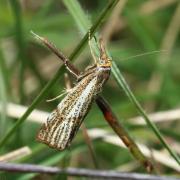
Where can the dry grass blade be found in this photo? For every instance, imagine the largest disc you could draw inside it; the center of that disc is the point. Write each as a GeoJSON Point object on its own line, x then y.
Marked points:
{"type": "Point", "coordinates": [157, 79]}
{"type": "Point", "coordinates": [77, 172]}
{"type": "Point", "coordinates": [151, 6]}
{"type": "Point", "coordinates": [158, 156]}
{"type": "Point", "coordinates": [15, 155]}
{"type": "Point", "coordinates": [111, 24]}
{"type": "Point", "coordinates": [157, 117]}
{"type": "Point", "coordinates": [15, 111]}
{"type": "Point", "coordinates": [38, 116]}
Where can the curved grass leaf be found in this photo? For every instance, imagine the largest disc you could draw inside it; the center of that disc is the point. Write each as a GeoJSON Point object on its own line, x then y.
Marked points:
{"type": "Point", "coordinates": [83, 24]}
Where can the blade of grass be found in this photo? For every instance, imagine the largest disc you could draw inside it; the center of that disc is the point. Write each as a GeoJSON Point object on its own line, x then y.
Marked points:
{"type": "Point", "coordinates": [139, 29]}
{"type": "Point", "coordinates": [78, 14]}
{"type": "Point", "coordinates": [77, 172]}
{"type": "Point", "coordinates": [3, 95]}
{"type": "Point", "coordinates": [48, 162]}
{"type": "Point", "coordinates": [58, 74]}
{"type": "Point", "coordinates": [104, 14]}
{"type": "Point", "coordinates": [18, 28]}
{"type": "Point", "coordinates": [83, 24]}
{"type": "Point", "coordinates": [52, 160]}
{"type": "Point", "coordinates": [21, 44]}
{"type": "Point", "coordinates": [122, 83]}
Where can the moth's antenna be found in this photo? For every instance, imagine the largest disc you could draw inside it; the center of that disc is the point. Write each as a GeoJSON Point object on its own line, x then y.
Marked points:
{"type": "Point", "coordinates": [90, 46]}
{"type": "Point", "coordinates": [103, 54]}
{"type": "Point", "coordinates": [105, 61]}
{"type": "Point", "coordinates": [59, 54]}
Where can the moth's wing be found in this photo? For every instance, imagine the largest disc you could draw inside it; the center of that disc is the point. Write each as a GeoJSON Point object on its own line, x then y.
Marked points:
{"type": "Point", "coordinates": [45, 132]}
{"type": "Point", "coordinates": [65, 120]}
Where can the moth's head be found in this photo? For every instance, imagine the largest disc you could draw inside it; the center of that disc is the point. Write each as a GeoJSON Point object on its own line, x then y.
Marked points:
{"type": "Point", "coordinates": [104, 60]}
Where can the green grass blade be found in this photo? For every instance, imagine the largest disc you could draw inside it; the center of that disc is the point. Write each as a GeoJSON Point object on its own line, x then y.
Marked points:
{"type": "Point", "coordinates": [18, 30]}
{"type": "Point", "coordinates": [122, 83]}
{"type": "Point", "coordinates": [83, 24]}
{"type": "Point", "coordinates": [3, 95]}
{"type": "Point", "coordinates": [49, 85]}
{"type": "Point", "coordinates": [78, 14]}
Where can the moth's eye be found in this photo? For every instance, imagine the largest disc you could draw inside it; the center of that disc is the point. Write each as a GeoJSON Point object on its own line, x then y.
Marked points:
{"type": "Point", "coordinates": [101, 61]}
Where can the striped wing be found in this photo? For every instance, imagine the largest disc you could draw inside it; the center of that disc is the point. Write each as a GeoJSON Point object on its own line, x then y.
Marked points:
{"type": "Point", "coordinates": [65, 120]}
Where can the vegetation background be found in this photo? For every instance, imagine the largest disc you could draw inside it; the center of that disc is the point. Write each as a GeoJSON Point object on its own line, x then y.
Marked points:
{"type": "Point", "coordinates": [143, 40]}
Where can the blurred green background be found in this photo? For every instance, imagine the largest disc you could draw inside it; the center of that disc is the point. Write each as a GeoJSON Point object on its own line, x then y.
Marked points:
{"type": "Point", "coordinates": [142, 38]}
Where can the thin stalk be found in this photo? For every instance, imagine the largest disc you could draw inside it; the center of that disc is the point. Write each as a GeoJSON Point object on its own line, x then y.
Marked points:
{"type": "Point", "coordinates": [83, 23]}
{"type": "Point", "coordinates": [3, 97]}
{"type": "Point", "coordinates": [78, 172]}
{"type": "Point", "coordinates": [122, 83]}
{"type": "Point", "coordinates": [90, 146]}
{"type": "Point", "coordinates": [23, 58]}
{"type": "Point", "coordinates": [16, 10]}
{"type": "Point", "coordinates": [121, 131]}
{"type": "Point", "coordinates": [104, 14]}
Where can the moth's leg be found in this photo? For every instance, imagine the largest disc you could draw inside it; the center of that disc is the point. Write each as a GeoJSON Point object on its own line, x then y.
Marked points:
{"type": "Point", "coordinates": [90, 46]}
{"type": "Point", "coordinates": [64, 92]}
{"type": "Point", "coordinates": [58, 53]}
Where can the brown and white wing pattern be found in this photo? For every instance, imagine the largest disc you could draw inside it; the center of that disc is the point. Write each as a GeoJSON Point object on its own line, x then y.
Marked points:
{"type": "Point", "coordinates": [65, 120]}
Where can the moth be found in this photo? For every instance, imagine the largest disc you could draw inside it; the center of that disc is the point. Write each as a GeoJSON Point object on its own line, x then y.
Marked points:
{"type": "Point", "coordinates": [63, 123]}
